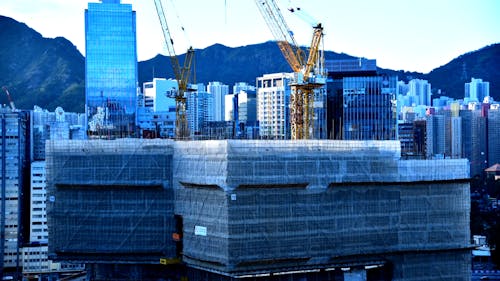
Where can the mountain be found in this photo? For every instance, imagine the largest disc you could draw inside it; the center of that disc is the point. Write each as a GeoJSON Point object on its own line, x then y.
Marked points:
{"type": "Point", "coordinates": [244, 64]}
{"type": "Point", "coordinates": [40, 71]}
{"type": "Point", "coordinates": [51, 72]}
{"type": "Point", "coordinates": [451, 77]}
{"type": "Point", "coordinates": [227, 65]}
{"type": "Point", "coordinates": [483, 63]}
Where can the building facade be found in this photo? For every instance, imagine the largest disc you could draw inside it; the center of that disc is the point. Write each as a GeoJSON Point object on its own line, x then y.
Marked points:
{"type": "Point", "coordinates": [474, 140]}
{"type": "Point", "coordinates": [436, 136]}
{"type": "Point", "coordinates": [494, 135]}
{"type": "Point", "coordinates": [200, 109]}
{"type": "Point", "coordinates": [218, 90]}
{"type": "Point", "coordinates": [273, 98]}
{"type": "Point", "coordinates": [160, 94]}
{"type": "Point", "coordinates": [13, 150]}
{"type": "Point", "coordinates": [419, 92]}
{"type": "Point", "coordinates": [369, 108]}
{"type": "Point", "coordinates": [110, 69]}
{"type": "Point", "coordinates": [476, 90]}
{"type": "Point", "coordinates": [337, 71]}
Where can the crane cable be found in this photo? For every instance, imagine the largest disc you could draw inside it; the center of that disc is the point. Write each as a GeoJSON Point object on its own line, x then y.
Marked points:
{"type": "Point", "coordinates": [181, 24]}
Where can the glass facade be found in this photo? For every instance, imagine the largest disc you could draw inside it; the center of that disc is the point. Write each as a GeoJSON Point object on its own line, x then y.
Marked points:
{"type": "Point", "coordinates": [370, 108]}
{"type": "Point", "coordinates": [111, 69]}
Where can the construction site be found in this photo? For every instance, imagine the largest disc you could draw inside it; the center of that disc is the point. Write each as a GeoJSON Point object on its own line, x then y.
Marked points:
{"type": "Point", "coordinates": [299, 209]}
{"type": "Point", "coordinates": [256, 210]}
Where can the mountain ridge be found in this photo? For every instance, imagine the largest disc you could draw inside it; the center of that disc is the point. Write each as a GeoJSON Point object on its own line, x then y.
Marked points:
{"type": "Point", "coordinates": [50, 72]}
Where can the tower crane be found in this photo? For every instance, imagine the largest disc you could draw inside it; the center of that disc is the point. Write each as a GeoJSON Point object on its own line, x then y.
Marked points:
{"type": "Point", "coordinates": [308, 72]}
{"type": "Point", "coordinates": [182, 75]}
{"type": "Point", "coordinates": [11, 103]}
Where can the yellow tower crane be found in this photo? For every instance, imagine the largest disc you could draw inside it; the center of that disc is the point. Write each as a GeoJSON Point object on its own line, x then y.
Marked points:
{"type": "Point", "coordinates": [181, 75]}
{"type": "Point", "coordinates": [308, 74]}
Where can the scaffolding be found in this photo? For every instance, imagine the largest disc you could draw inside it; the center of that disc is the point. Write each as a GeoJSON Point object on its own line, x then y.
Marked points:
{"type": "Point", "coordinates": [255, 207]}
{"type": "Point", "coordinates": [110, 200]}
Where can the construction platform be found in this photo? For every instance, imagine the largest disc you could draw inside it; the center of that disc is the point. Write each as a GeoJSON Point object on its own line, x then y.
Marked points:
{"type": "Point", "coordinates": [253, 208]}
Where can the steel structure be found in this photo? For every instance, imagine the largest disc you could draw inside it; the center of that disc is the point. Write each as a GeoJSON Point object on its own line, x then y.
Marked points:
{"type": "Point", "coordinates": [308, 71]}
{"type": "Point", "coordinates": [182, 75]}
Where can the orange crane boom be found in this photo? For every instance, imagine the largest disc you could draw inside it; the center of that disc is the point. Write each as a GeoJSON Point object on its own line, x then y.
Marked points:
{"type": "Point", "coordinates": [306, 81]}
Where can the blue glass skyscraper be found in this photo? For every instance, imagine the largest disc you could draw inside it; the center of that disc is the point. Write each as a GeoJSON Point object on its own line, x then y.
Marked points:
{"type": "Point", "coordinates": [370, 108]}
{"type": "Point", "coordinates": [110, 69]}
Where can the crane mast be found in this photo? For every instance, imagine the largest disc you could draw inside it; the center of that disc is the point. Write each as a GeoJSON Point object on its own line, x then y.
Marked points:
{"type": "Point", "coordinates": [305, 79]}
{"type": "Point", "coordinates": [181, 75]}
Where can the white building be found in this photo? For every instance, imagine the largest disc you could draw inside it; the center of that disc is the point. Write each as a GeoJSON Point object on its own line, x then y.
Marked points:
{"type": "Point", "coordinates": [476, 90]}
{"type": "Point", "coordinates": [218, 91]}
{"type": "Point", "coordinates": [35, 255]}
{"type": "Point", "coordinates": [273, 95]}
{"type": "Point", "coordinates": [159, 94]}
{"type": "Point", "coordinates": [156, 117]}
{"type": "Point", "coordinates": [38, 216]}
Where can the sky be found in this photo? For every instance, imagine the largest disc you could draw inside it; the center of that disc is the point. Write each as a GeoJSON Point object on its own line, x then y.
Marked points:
{"type": "Point", "coordinates": [411, 35]}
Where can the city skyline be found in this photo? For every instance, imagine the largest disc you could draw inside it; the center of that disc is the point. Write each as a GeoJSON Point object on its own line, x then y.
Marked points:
{"type": "Point", "coordinates": [399, 34]}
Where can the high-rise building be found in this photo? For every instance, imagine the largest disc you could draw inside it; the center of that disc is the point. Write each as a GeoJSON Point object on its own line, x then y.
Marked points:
{"type": "Point", "coordinates": [456, 137]}
{"type": "Point", "coordinates": [273, 107]}
{"type": "Point", "coordinates": [273, 98]}
{"type": "Point", "coordinates": [369, 108]}
{"type": "Point", "coordinates": [13, 168]}
{"type": "Point", "coordinates": [494, 135]}
{"type": "Point", "coordinates": [241, 108]}
{"type": "Point", "coordinates": [476, 90]}
{"type": "Point", "coordinates": [35, 259]}
{"type": "Point", "coordinates": [247, 106]}
{"type": "Point", "coordinates": [200, 109]}
{"type": "Point", "coordinates": [419, 92]}
{"type": "Point", "coordinates": [337, 71]}
{"type": "Point", "coordinates": [219, 91]}
{"type": "Point", "coordinates": [474, 141]}
{"type": "Point", "coordinates": [436, 136]}
{"type": "Point", "coordinates": [110, 69]}
{"type": "Point", "coordinates": [230, 107]}
{"type": "Point", "coordinates": [420, 137]}
{"type": "Point", "coordinates": [45, 125]}
{"type": "Point", "coordinates": [241, 104]}
{"type": "Point", "coordinates": [406, 138]}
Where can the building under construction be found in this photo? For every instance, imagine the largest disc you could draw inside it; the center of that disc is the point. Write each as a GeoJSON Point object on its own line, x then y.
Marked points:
{"type": "Point", "coordinates": [257, 210]}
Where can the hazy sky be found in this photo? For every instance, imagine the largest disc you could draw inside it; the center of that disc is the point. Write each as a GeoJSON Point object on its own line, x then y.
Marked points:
{"type": "Point", "coordinates": [414, 35]}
